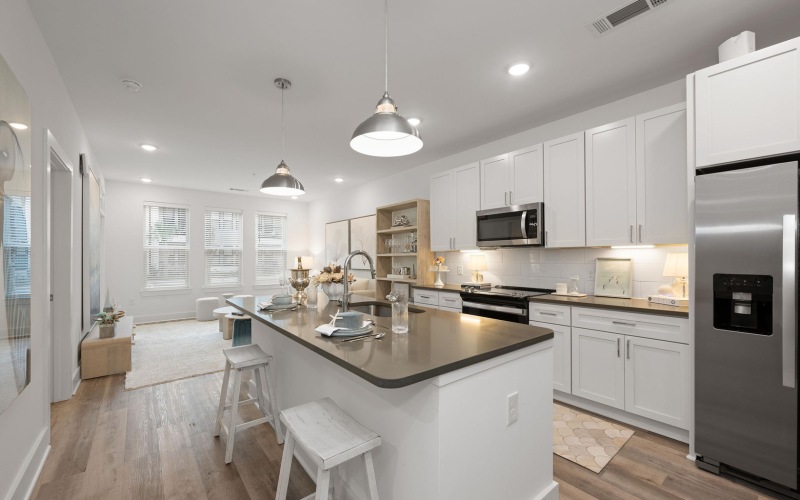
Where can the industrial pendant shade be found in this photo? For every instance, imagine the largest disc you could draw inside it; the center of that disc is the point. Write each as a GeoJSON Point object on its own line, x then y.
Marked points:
{"type": "Point", "coordinates": [282, 183]}
{"type": "Point", "coordinates": [386, 133]}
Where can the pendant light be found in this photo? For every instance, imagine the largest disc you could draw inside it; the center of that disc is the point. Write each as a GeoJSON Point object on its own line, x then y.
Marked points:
{"type": "Point", "coordinates": [282, 183]}
{"type": "Point", "coordinates": [386, 133]}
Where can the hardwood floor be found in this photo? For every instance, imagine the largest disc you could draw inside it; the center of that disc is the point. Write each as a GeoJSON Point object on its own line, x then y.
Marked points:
{"type": "Point", "coordinates": [156, 442]}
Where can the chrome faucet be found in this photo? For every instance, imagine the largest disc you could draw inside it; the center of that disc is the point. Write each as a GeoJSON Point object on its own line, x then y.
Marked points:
{"type": "Point", "coordinates": [346, 295]}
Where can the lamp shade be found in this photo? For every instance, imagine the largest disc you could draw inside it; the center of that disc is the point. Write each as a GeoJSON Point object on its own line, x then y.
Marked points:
{"type": "Point", "coordinates": [677, 265]}
{"type": "Point", "coordinates": [477, 262]}
{"type": "Point", "coordinates": [386, 133]}
{"type": "Point", "coordinates": [282, 183]}
{"type": "Point", "coordinates": [308, 261]}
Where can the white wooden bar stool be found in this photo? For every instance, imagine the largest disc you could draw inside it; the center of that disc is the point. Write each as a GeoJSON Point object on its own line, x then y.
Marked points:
{"type": "Point", "coordinates": [330, 437]}
{"type": "Point", "coordinates": [239, 359]}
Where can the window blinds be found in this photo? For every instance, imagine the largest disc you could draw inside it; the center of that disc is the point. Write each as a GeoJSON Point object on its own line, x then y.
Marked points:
{"type": "Point", "coordinates": [270, 248]}
{"type": "Point", "coordinates": [166, 246]}
{"type": "Point", "coordinates": [17, 245]}
{"type": "Point", "coordinates": [223, 236]}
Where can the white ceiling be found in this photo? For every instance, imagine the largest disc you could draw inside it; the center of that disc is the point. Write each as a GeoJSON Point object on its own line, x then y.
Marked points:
{"type": "Point", "coordinates": [209, 104]}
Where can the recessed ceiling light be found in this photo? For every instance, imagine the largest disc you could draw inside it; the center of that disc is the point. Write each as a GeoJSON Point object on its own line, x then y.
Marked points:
{"type": "Point", "coordinates": [339, 179]}
{"type": "Point", "coordinates": [518, 69]}
{"type": "Point", "coordinates": [294, 197]}
{"type": "Point", "coordinates": [19, 126]}
{"type": "Point", "coordinates": [414, 121]}
{"type": "Point", "coordinates": [148, 147]}
{"type": "Point", "coordinates": [145, 179]}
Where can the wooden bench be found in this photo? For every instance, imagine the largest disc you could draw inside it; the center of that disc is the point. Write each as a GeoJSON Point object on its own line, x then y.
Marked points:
{"type": "Point", "coordinates": [101, 357]}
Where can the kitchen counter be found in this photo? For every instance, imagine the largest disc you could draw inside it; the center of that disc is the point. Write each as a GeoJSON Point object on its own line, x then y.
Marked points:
{"type": "Point", "coordinates": [438, 396]}
{"type": "Point", "coordinates": [446, 288]}
{"type": "Point", "coordinates": [628, 305]}
{"type": "Point", "coordinates": [438, 342]}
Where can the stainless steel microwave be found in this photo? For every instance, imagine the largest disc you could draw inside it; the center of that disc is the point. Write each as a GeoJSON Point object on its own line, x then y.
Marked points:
{"type": "Point", "coordinates": [518, 225]}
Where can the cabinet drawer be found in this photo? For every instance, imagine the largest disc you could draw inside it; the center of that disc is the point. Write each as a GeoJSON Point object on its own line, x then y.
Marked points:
{"type": "Point", "coordinates": [426, 298]}
{"type": "Point", "coordinates": [548, 313]}
{"type": "Point", "coordinates": [450, 300]}
{"type": "Point", "coordinates": [638, 325]}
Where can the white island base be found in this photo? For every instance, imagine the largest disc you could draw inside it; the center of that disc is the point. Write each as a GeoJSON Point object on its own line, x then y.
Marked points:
{"type": "Point", "coordinates": [445, 438]}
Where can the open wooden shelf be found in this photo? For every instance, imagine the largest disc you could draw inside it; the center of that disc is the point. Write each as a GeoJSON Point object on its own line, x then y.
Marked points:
{"type": "Point", "coordinates": [397, 229]}
{"type": "Point", "coordinates": [418, 213]}
{"type": "Point", "coordinates": [405, 254]}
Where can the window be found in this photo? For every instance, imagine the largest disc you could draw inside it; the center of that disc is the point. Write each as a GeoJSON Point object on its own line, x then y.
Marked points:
{"type": "Point", "coordinates": [166, 246]}
{"type": "Point", "coordinates": [223, 247]}
{"type": "Point", "coordinates": [270, 247]}
{"type": "Point", "coordinates": [17, 246]}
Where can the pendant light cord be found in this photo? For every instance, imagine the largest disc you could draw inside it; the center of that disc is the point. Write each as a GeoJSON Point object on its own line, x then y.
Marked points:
{"type": "Point", "coordinates": [283, 133]}
{"type": "Point", "coordinates": [386, 44]}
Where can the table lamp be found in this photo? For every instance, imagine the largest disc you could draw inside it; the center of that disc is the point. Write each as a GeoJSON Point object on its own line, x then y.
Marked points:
{"type": "Point", "coordinates": [677, 266]}
{"type": "Point", "coordinates": [477, 262]}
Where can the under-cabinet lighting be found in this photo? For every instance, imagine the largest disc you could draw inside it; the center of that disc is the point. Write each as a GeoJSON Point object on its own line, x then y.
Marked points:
{"type": "Point", "coordinates": [628, 247]}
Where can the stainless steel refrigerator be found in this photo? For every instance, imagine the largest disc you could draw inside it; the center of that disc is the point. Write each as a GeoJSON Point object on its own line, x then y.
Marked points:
{"type": "Point", "coordinates": [746, 411]}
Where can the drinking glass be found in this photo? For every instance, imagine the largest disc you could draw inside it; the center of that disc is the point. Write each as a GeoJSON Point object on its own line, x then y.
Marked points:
{"type": "Point", "coordinates": [283, 280]}
{"type": "Point", "coordinates": [311, 296]}
{"type": "Point", "coordinates": [400, 313]}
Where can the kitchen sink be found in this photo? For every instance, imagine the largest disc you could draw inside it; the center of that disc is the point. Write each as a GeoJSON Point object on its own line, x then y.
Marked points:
{"type": "Point", "coordinates": [379, 309]}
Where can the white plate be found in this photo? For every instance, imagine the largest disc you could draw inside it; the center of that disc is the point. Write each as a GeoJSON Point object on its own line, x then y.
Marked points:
{"type": "Point", "coordinates": [278, 307]}
{"type": "Point", "coordinates": [344, 332]}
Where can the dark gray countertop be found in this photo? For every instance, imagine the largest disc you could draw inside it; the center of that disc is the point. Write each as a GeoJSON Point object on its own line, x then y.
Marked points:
{"type": "Point", "coordinates": [627, 305]}
{"type": "Point", "coordinates": [438, 342]}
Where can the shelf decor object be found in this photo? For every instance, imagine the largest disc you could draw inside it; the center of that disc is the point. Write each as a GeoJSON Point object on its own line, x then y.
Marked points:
{"type": "Point", "coordinates": [299, 276]}
{"type": "Point", "coordinates": [282, 183]}
{"type": "Point", "coordinates": [477, 262]}
{"type": "Point", "coordinates": [613, 278]}
{"type": "Point", "coordinates": [386, 133]}
{"type": "Point", "coordinates": [677, 266]}
{"type": "Point", "coordinates": [396, 267]}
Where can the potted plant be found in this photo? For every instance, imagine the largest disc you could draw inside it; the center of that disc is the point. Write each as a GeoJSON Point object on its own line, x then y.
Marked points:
{"type": "Point", "coordinates": [331, 280]}
{"type": "Point", "coordinates": [108, 321]}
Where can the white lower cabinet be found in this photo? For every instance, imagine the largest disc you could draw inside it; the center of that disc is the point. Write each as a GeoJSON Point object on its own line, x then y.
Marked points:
{"type": "Point", "coordinates": [446, 301]}
{"type": "Point", "coordinates": [598, 367]}
{"type": "Point", "coordinates": [562, 356]}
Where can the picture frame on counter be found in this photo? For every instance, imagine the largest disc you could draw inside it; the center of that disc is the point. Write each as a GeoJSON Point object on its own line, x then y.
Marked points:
{"type": "Point", "coordinates": [613, 278]}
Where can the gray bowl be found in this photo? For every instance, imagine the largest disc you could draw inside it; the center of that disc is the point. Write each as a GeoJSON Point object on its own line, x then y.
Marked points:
{"type": "Point", "coordinates": [282, 299]}
{"type": "Point", "coordinates": [350, 319]}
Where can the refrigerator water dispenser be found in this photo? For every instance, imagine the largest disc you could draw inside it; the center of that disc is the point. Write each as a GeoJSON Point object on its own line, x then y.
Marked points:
{"type": "Point", "coordinates": [743, 303]}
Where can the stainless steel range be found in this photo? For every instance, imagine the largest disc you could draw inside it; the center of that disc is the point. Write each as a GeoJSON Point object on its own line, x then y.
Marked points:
{"type": "Point", "coordinates": [508, 303]}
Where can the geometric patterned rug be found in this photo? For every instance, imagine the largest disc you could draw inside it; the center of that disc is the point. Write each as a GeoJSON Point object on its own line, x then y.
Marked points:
{"type": "Point", "coordinates": [586, 440]}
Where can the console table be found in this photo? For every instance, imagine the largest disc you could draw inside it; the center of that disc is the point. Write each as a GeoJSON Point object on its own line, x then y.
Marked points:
{"type": "Point", "coordinates": [101, 357]}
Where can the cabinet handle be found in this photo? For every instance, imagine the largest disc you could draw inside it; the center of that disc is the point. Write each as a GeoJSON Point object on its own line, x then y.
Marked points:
{"type": "Point", "coordinates": [511, 197]}
{"type": "Point", "coordinates": [546, 237]}
{"type": "Point", "coordinates": [454, 243]}
{"type": "Point", "coordinates": [618, 355]}
{"type": "Point", "coordinates": [448, 300]}
{"type": "Point", "coordinates": [631, 233]}
{"type": "Point", "coordinates": [547, 313]}
{"type": "Point", "coordinates": [425, 297]}
{"type": "Point", "coordinates": [628, 349]}
{"type": "Point", "coordinates": [505, 198]}
{"type": "Point", "coordinates": [640, 233]}
{"type": "Point", "coordinates": [622, 323]}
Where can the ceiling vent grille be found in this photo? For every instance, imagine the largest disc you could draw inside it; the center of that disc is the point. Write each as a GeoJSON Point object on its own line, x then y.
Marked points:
{"type": "Point", "coordinates": [623, 14]}
{"type": "Point", "coordinates": [238, 189]}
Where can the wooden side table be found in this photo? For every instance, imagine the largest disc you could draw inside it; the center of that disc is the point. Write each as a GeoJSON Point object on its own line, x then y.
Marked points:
{"type": "Point", "coordinates": [100, 357]}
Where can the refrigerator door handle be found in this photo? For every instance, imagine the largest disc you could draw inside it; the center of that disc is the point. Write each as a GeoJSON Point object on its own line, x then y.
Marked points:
{"type": "Point", "coordinates": [788, 305]}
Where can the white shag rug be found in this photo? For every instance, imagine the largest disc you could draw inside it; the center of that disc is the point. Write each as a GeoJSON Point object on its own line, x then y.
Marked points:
{"type": "Point", "coordinates": [163, 352]}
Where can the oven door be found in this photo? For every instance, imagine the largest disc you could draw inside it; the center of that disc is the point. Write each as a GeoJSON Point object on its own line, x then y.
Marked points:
{"type": "Point", "coordinates": [506, 313]}
{"type": "Point", "coordinates": [520, 225]}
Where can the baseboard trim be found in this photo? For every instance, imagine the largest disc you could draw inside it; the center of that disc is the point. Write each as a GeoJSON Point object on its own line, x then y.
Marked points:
{"type": "Point", "coordinates": [549, 493]}
{"type": "Point", "coordinates": [34, 463]}
{"type": "Point", "coordinates": [160, 318]}
{"type": "Point", "coordinates": [76, 380]}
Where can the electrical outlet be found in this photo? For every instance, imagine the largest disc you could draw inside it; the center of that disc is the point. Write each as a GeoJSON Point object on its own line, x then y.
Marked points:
{"type": "Point", "coordinates": [459, 269]}
{"type": "Point", "coordinates": [513, 407]}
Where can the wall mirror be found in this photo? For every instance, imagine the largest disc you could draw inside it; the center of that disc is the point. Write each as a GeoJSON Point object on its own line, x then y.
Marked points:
{"type": "Point", "coordinates": [15, 237]}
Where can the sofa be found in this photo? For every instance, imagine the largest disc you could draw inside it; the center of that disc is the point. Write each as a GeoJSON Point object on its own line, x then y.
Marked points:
{"type": "Point", "coordinates": [363, 287]}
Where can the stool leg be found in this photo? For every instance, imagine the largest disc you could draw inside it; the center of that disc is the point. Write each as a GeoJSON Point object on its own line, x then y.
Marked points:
{"type": "Point", "coordinates": [338, 488]}
{"type": "Point", "coordinates": [286, 467]}
{"type": "Point", "coordinates": [373, 485]}
{"type": "Point", "coordinates": [323, 483]}
{"type": "Point", "coordinates": [237, 388]}
{"type": "Point", "coordinates": [223, 394]}
{"type": "Point", "coordinates": [273, 401]}
{"type": "Point", "coordinates": [260, 389]}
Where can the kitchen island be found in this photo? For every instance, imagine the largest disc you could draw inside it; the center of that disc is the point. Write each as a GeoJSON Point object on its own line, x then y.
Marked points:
{"type": "Point", "coordinates": [439, 397]}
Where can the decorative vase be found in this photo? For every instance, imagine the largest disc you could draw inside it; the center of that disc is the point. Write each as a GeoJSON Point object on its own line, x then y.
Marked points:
{"type": "Point", "coordinates": [334, 291]}
{"type": "Point", "coordinates": [107, 331]}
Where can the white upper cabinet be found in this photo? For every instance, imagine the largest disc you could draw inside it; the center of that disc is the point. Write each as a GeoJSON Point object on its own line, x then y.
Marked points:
{"type": "Point", "coordinates": [512, 179]}
{"type": "Point", "coordinates": [749, 107]}
{"type": "Point", "coordinates": [564, 192]}
{"type": "Point", "coordinates": [662, 211]}
{"type": "Point", "coordinates": [455, 197]}
{"type": "Point", "coordinates": [611, 184]}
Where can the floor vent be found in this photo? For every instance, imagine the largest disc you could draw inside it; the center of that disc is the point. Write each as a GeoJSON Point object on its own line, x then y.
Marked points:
{"type": "Point", "coordinates": [623, 14]}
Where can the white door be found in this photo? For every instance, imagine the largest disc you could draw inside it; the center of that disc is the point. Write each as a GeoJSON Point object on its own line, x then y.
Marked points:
{"type": "Point", "coordinates": [442, 213]}
{"type": "Point", "coordinates": [466, 194]}
{"type": "Point", "coordinates": [564, 192]}
{"type": "Point", "coordinates": [611, 184]}
{"type": "Point", "coordinates": [562, 356]}
{"type": "Point", "coordinates": [657, 380]}
{"type": "Point", "coordinates": [749, 107]}
{"type": "Point", "coordinates": [494, 182]}
{"type": "Point", "coordinates": [598, 368]}
{"type": "Point", "coordinates": [662, 210]}
{"type": "Point", "coordinates": [526, 169]}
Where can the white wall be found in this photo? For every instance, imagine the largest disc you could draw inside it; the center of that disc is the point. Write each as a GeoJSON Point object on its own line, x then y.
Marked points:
{"type": "Point", "coordinates": [415, 183]}
{"type": "Point", "coordinates": [124, 239]}
{"type": "Point", "coordinates": [24, 426]}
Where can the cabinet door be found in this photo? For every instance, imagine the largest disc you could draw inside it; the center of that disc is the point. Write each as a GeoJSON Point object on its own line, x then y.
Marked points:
{"type": "Point", "coordinates": [662, 210]}
{"type": "Point", "coordinates": [611, 184]}
{"type": "Point", "coordinates": [562, 356]}
{"type": "Point", "coordinates": [749, 107]}
{"type": "Point", "coordinates": [564, 192]}
{"type": "Point", "coordinates": [467, 189]}
{"type": "Point", "coordinates": [442, 211]}
{"type": "Point", "coordinates": [598, 368]}
{"type": "Point", "coordinates": [494, 182]}
{"type": "Point", "coordinates": [526, 169]}
{"type": "Point", "coordinates": [657, 380]}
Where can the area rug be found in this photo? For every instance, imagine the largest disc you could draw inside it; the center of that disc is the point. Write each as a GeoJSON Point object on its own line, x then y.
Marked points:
{"type": "Point", "coordinates": [586, 440]}
{"type": "Point", "coordinates": [163, 352]}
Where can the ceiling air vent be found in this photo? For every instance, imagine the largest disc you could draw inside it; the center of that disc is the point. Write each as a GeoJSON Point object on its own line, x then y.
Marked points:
{"type": "Point", "coordinates": [623, 14]}
{"type": "Point", "coordinates": [238, 189]}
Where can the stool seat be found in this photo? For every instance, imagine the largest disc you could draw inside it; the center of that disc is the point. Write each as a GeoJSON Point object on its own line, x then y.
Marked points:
{"type": "Point", "coordinates": [330, 435]}
{"type": "Point", "coordinates": [220, 312]}
{"type": "Point", "coordinates": [246, 356]}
